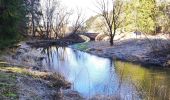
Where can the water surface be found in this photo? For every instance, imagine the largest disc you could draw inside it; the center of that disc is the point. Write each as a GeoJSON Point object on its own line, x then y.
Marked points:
{"type": "Point", "coordinates": [92, 75]}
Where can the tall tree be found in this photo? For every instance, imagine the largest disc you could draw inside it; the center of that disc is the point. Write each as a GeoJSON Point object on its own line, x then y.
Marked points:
{"type": "Point", "coordinates": [77, 25]}
{"type": "Point", "coordinates": [35, 13]}
{"type": "Point", "coordinates": [61, 22]}
{"type": "Point", "coordinates": [49, 10]}
{"type": "Point", "coordinates": [111, 16]}
{"type": "Point", "coordinates": [11, 14]}
{"type": "Point", "coordinates": [164, 19]}
{"type": "Point", "coordinates": [142, 15]}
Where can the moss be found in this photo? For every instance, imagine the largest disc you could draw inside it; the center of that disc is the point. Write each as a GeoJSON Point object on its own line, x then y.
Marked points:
{"type": "Point", "coordinates": [11, 94]}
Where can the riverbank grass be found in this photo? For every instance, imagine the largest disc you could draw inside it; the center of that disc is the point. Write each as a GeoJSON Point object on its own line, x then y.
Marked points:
{"type": "Point", "coordinates": [81, 46]}
{"type": "Point", "coordinates": [10, 73]}
{"type": "Point", "coordinates": [8, 88]}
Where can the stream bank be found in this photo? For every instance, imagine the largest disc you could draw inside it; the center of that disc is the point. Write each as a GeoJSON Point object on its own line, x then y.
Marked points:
{"type": "Point", "coordinates": [31, 79]}
{"type": "Point", "coordinates": [143, 51]}
{"type": "Point", "coordinates": [66, 41]}
{"type": "Point", "coordinates": [35, 80]}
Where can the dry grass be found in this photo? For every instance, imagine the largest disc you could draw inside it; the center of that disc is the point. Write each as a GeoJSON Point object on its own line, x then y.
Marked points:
{"type": "Point", "coordinates": [9, 74]}
{"type": "Point", "coordinates": [7, 86]}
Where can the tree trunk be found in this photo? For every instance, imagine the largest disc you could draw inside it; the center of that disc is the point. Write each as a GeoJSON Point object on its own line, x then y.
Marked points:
{"type": "Point", "coordinates": [111, 39]}
{"type": "Point", "coordinates": [47, 35]}
{"type": "Point", "coordinates": [32, 20]}
{"type": "Point", "coordinates": [33, 27]}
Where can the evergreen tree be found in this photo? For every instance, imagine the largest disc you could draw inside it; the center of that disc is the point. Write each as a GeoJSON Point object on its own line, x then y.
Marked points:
{"type": "Point", "coordinates": [141, 15]}
{"type": "Point", "coordinates": [12, 13]}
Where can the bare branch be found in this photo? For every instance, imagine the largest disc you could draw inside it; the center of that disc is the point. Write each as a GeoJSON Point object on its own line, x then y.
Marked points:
{"type": "Point", "coordinates": [111, 16]}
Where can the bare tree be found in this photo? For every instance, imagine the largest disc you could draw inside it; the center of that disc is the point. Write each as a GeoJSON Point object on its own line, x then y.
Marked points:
{"type": "Point", "coordinates": [49, 10]}
{"type": "Point", "coordinates": [111, 15]}
{"type": "Point", "coordinates": [55, 19]}
{"type": "Point", "coordinates": [34, 14]}
{"type": "Point", "coordinates": [61, 22]}
{"type": "Point", "coordinates": [78, 22]}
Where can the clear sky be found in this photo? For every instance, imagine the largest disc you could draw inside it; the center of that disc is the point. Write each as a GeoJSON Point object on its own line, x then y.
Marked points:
{"type": "Point", "coordinates": [88, 6]}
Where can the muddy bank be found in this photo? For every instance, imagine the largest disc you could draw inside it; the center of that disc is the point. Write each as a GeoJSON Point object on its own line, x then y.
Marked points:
{"type": "Point", "coordinates": [147, 52]}
{"type": "Point", "coordinates": [68, 40]}
{"type": "Point", "coordinates": [35, 81]}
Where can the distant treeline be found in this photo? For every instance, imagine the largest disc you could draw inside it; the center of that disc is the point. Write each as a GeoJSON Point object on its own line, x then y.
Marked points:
{"type": "Point", "coordinates": [147, 16]}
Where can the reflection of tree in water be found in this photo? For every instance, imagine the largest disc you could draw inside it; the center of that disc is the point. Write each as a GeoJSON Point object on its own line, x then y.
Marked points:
{"type": "Point", "coordinates": [55, 56]}
{"type": "Point", "coordinates": [72, 63]}
{"type": "Point", "coordinates": [151, 84]}
{"type": "Point", "coordinates": [80, 56]}
{"type": "Point", "coordinates": [141, 82]}
{"type": "Point", "coordinates": [107, 87]}
{"type": "Point", "coordinates": [62, 54]}
{"type": "Point", "coordinates": [49, 52]}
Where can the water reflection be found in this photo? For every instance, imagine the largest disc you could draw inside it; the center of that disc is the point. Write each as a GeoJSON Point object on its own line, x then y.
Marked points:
{"type": "Point", "coordinates": [89, 74]}
{"type": "Point", "coordinates": [150, 83]}
{"type": "Point", "coordinates": [92, 75]}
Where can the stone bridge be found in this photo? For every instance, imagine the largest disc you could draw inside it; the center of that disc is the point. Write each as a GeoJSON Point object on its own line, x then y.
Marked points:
{"type": "Point", "coordinates": [92, 36]}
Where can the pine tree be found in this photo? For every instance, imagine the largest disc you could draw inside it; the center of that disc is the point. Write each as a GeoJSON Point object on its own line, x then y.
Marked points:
{"type": "Point", "coordinates": [11, 15]}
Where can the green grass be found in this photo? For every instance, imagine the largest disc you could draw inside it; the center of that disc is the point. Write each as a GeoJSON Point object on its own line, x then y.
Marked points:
{"type": "Point", "coordinates": [7, 85]}
{"type": "Point", "coordinates": [4, 85]}
{"type": "Point", "coordinates": [10, 94]}
{"type": "Point", "coordinates": [8, 77]}
{"type": "Point", "coordinates": [9, 74]}
{"type": "Point", "coordinates": [82, 46]}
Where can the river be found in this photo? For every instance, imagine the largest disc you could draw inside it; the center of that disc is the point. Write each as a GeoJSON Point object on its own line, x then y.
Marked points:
{"type": "Point", "coordinates": [91, 75]}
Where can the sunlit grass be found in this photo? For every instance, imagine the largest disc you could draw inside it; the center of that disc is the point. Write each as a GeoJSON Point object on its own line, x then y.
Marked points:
{"type": "Point", "coordinates": [23, 71]}
{"type": "Point", "coordinates": [56, 79]}
{"type": "Point", "coordinates": [1, 62]}
{"type": "Point", "coordinates": [10, 94]}
{"type": "Point", "coordinates": [82, 46]}
{"type": "Point", "coordinates": [9, 75]}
